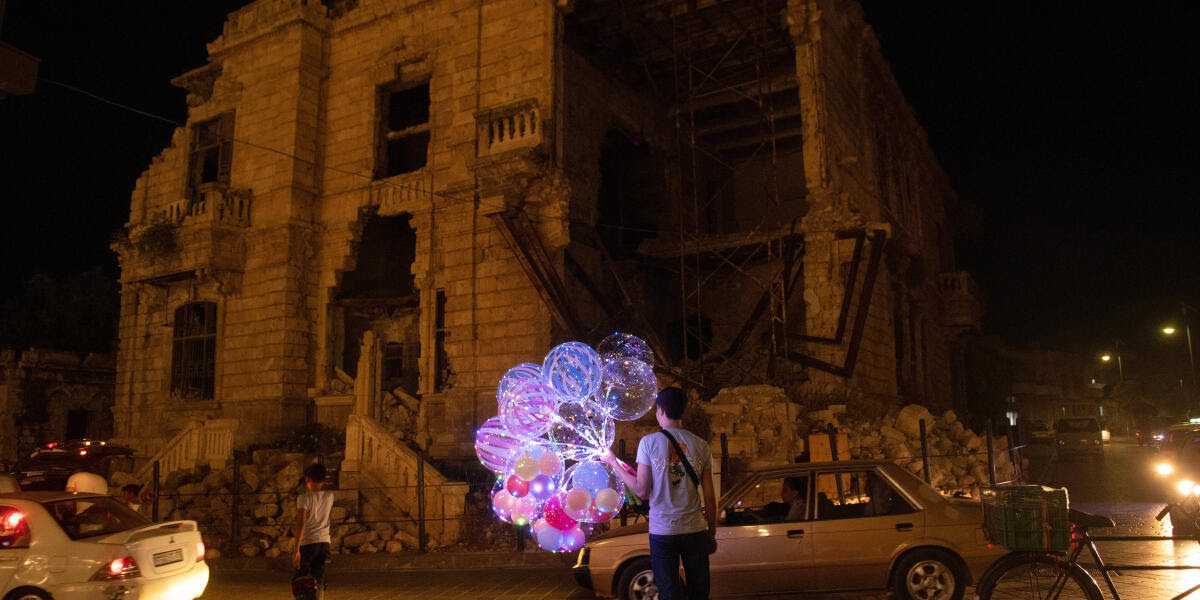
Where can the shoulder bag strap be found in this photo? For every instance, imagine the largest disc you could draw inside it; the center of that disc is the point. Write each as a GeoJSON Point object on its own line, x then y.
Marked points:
{"type": "Point", "coordinates": [687, 466]}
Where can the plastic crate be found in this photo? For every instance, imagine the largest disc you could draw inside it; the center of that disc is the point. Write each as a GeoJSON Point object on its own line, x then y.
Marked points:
{"type": "Point", "coordinates": [1027, 517]}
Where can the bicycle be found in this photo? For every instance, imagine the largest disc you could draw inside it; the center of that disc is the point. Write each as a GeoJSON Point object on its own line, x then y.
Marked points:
{"type": "Point", "coordinates": [1050, 575]}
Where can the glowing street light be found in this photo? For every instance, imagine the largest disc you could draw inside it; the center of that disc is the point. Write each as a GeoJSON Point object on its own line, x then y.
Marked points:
{"type": "Point", "coordinates": [1105, 358]}
{"type": "Point", "coordinates": [1168, 330]}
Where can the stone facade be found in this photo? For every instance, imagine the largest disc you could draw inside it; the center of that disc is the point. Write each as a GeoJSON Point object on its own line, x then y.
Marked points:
{"type": "Point", "coordinates": [48, 396]}
{"type": "Point", "coordinates": [380, 206]}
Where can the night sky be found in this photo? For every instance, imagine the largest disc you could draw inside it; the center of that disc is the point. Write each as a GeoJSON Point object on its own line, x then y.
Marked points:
{"type": "Point", "coordinates": [1072, 129]}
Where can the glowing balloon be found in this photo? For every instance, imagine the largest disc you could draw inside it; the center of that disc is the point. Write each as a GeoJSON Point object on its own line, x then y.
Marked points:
{"type": "Point", "coordinates": [592, 476]}
{"type": "Point", "coordinates": [576, 503]}
{"type": "Point", "coordinates": [628, 389]}
{"type": "Point", "coordinates": [529, 410]}
{"type": "Point", "coordinates": [515, 376]}
{"type": "Point", "coordinates": [494, 445]}
{"type": "Point", "coordinates": [573, 370]}
{"type": "Point", "coordinates": [579, 428]}
{"type": "Point", "coordinates": [550, 464]}
{"type": "Point", "coordinates": [554, 515]}
{"type": "Point", "coordinates": [516, 486]}
{"type": "Point", "coordinates": [608, 501]}
{"type": "Point", "coordinates": [526, 466]}
{"type": "Point", "coordinates": [502, 504]}
{"type": "Point", "coordinates": [524, 510]}
{"type": "Point", "coordinates": [549, 538]}
{"type": "Point", "coordinates": [572, 540]}
{"type": "Point", "coordinates": [542, 487]}
{"type": "Point", "coordinates": [624, 345]}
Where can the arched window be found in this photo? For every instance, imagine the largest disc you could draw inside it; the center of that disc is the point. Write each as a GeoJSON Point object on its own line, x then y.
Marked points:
{"type": "Point", "coordinates": [193, 351]}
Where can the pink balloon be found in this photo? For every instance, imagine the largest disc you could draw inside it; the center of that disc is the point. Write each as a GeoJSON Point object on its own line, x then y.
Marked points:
{"type": "Point", "coordinates": [528, 414]}
{"type": "Point", "coordinates": [494, 445]}
{"type": "Point", "coordinates": [555, 515]}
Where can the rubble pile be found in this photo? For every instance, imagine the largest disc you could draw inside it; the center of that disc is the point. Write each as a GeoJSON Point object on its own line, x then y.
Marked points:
{"type": "Point", "coordinates": [266, 502]}
{"type": "Point", "coordinates": [764, 427]}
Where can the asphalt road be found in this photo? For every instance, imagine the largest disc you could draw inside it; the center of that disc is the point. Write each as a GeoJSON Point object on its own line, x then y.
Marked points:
{"type": "Point", "coordinates": [1122, 485]}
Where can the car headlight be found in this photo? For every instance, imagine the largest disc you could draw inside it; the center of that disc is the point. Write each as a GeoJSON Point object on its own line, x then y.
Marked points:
{"type": "Point", "coordinates": [1061, 442]}
{"type": "Point", "coordinates": [1185, 486]}
{"type": "Point", "coordinates": [1096, 442]}
{"type": "Point", "coordinates": [1164, 469]}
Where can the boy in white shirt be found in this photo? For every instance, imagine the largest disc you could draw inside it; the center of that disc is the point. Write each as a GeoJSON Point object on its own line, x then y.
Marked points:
{"type": "Point", "coordinates": [311, 548]}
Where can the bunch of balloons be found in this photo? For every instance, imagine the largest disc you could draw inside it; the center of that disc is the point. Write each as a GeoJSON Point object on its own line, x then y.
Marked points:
{"type": "Point", "coordinates": [554, 421]}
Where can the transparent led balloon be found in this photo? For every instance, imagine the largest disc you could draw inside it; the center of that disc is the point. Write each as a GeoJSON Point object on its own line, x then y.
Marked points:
{"type": "Point", "coordinates": [573, 370]}
{"type": "Point", "coordinates": [530, 409]}
{"type": "Point", "coordinates": [515, 376]}
{"type": "Point", "coordinates": [581, 430]}
{"type": "Point", "coordinates": [628, 388]}
{"type": "Point", "coordinates": [591, 492]}
{"type": "Point", "coordinates": [494, 445]}
{"type": "Point", "coordinates": [624, 345]}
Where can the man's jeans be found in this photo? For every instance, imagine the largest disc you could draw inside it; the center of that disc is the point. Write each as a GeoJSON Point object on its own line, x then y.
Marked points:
{"type": "Point", "coordinates": [665, 554]}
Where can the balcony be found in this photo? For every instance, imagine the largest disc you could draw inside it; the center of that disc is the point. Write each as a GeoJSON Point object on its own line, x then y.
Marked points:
{"type": "Point", "coordinates": [508, 127]}
{"type": "Point", "coordinates": [963, 300]}
{"type": "Point", "coordinates": [186, 239]}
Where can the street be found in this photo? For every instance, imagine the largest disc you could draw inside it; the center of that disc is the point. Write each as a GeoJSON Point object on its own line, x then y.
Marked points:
{"type": "Point", "coordinates": [1123, 486]}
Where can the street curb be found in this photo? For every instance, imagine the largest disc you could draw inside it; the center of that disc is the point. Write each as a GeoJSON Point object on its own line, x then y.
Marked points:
{"type": "Point", "coordinates": [405, 561]}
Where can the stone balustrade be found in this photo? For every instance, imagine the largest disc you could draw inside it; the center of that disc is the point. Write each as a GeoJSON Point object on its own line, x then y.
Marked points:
{"type": "Point", "coordinates": [509, 127]}
{"type": "Point", "coordinates": [391, 467]}
{"type": "Point", "coordinates": [213, 204]}
{"type": "Point", "coordinates": [200, 442]}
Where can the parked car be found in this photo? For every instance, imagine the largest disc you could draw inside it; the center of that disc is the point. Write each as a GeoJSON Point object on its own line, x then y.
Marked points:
{"type": "Point", "coordinates": [867, 525]}
{"type": "Point", "coordinates": [1178, 468]}
{"type": "Point", "coordinates": [48, 467]}
{"type": "Point", "coordinates": [1078, 435]}
{"type": "Point", "coordinates": [88, 546]}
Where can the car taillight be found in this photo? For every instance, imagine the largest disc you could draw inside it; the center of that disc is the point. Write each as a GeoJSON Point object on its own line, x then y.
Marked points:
{"type": "Point", "coordinates": [118, 568]}
{"type": "Point", "coordinates": [13, 519]}
{"type": "Point", "coordinates": [199, 551]}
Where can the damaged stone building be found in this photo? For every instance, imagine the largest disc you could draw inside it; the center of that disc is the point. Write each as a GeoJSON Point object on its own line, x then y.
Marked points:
{"type": "Point", "coordinates": [379, 206]}
{"type": "Point", "coordinates": [51, 395]}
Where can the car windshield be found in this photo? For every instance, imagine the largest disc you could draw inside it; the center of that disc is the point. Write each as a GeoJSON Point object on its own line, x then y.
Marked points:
{"type": "Point", "coordinates": [1077, 426]}
{"type": "Point", "coordinates": [91, 516]}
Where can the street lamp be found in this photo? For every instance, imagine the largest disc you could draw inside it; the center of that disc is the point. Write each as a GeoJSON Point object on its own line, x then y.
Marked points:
{"type": "Point", "coordinates": [1109, 357]}
{"type": "Point", "coordinates": [1185, 308]}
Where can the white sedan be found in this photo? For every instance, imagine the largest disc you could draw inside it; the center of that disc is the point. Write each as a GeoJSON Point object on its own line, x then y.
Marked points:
{"type": "Point", "coordinates": [68, 546]}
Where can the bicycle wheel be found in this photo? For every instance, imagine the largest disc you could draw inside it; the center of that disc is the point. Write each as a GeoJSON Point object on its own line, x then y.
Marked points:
{"type": "Point", "coordinates": [1036, 576]}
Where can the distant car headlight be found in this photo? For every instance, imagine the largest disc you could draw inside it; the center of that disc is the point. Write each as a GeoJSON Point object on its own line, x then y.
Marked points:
{"type": "Point", "coordinates": [1185, 486]}
{"type": "Point", "coordinates": [1158, 437]}
{"type": "Point", "coordinates": [1164, 469]}
{"type": "Point", "coordinates": [1096, 442]}
{"type": "Point", "coordinates": [1105, 435]}
{"type": "Point", "coordinates": [1061, 442]}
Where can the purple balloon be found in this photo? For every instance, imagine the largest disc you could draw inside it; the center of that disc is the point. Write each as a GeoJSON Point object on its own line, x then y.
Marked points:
{"type": "Point", "coordinates": [542, 487]}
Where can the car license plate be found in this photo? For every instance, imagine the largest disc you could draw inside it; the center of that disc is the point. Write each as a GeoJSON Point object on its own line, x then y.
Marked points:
{"type": "Point", "coordinates": [168, 557]}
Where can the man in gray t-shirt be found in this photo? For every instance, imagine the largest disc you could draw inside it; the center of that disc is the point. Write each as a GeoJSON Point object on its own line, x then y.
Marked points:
{"type": "Point", "coordinates": [680, 528]}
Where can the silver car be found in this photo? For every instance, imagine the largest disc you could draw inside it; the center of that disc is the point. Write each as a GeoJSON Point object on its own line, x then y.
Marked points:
{"type": "Point", "coordinates": [864, 526]}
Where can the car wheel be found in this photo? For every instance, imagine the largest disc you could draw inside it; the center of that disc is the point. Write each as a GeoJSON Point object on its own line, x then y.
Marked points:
{"type": "Point", "coordinates": [928, 574]}
{"type": "Point", "coordinates": [637, 581]}
{"type": "Point", "coordinates": [27, 594]}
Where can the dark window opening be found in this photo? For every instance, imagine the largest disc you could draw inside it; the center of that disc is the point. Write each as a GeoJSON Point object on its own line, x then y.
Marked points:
{"type": "Point", "coordinates": [442, 362]}
{"type": "Point", "coordinates": [211, 157]}
{"type": "Point", "coordinates": [403, 130]}
{"type": "Point", "coordinates": [77, 424]}
{"type": "Point", "coordinates": [689, 339]}
{"type": "Point", "coordinates": [632, 184]}
{"type": "Point", "coordinates": [384, 260]}
{"type": "Point", "coordinates": [193, 351]}
{"type": "Point", "coordinates": [336, 8]}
